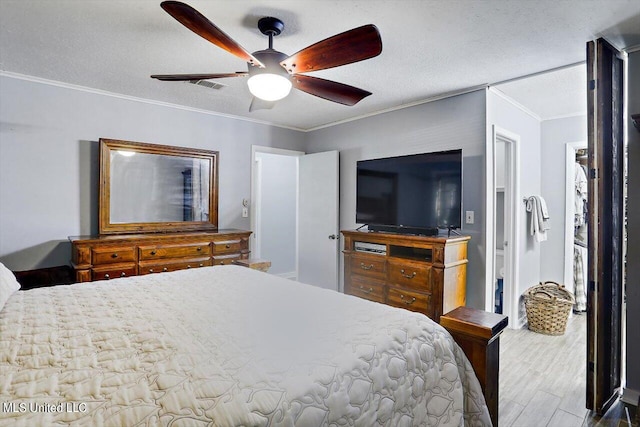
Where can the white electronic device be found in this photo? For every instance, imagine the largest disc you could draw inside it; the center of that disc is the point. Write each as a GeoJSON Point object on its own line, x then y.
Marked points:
{"type": "Point", "coordinates": [374, 248]}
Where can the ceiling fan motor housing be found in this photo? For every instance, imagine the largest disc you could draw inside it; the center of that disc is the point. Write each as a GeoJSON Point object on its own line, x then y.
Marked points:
{"type": "Point", "coordinates": [270, 26]}
{"type": "Point", "coordinates": [271, 59]}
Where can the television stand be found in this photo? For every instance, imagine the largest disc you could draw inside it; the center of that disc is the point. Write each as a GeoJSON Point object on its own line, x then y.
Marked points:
{"type": "Point", "coordinates": [420, 273]}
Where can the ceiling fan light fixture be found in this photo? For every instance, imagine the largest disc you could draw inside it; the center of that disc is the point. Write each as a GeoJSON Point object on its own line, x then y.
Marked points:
{"type": "Point", "coordinates": [269, 87]}
{"type": "Point", "coordinates": [271, 73]}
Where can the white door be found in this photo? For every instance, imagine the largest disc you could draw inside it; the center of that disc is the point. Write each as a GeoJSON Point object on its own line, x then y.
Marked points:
{"type": "Point", "coordinates": [318, 233]}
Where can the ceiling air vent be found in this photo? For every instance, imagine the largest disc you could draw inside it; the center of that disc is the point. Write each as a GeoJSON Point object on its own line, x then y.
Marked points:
{"type": "Point", "coordinates": [206, 83]}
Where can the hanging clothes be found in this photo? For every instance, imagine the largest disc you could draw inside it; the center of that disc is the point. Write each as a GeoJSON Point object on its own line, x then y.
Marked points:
{"type": "Point", "coordinates": [580, 254]}
{"type": "Point", "coordinates": [580, 196]}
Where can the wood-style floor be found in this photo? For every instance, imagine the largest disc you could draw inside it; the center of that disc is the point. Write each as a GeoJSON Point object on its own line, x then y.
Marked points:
{"type": "Point", "coordinates": [543, 380]}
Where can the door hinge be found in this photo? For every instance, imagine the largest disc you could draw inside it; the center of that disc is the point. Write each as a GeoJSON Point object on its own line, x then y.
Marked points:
{"type": "Point", "coordinates": [592, 286]}
{"type": "Point", "coordinates": [591, 84]}
{"type": "Point", "coordinates": [592, 173]}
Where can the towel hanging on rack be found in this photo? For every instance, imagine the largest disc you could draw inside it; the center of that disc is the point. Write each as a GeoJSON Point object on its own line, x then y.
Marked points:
{"type": "Point", "coordinates": [539, 217]}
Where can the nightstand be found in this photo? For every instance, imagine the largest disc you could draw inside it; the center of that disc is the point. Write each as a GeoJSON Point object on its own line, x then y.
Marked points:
{"type": "Point", "coordinates": [254, 263]}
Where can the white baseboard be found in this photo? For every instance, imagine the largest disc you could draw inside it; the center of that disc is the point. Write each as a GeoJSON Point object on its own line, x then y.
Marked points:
{"type": "Point", "coordinates": [630, 396]}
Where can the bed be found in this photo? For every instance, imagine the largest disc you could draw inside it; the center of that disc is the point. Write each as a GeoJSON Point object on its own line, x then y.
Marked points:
{"type": "Point", "coordinates": [226, 346]}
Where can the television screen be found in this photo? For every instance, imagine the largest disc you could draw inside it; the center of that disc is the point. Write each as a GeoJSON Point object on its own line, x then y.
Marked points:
{"type": "Point", "coordinates": [418, 191]}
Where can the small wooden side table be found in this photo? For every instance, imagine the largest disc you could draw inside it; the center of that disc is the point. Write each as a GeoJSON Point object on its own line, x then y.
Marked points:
{"type": "Point", "coordinates": [254, 263]}
{"type": "Point", "coordinates": [478, 332]}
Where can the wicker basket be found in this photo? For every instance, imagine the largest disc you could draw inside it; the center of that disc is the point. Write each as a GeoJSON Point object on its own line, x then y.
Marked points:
{"type": "Point", "coordinates": [548, 306]}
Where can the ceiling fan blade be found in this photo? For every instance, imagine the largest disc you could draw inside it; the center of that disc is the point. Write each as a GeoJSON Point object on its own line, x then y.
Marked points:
{"type": "Point", "coordinates": [327, 89]}
{"type": "Point", "coordinates": [199, 24]}
{"type": "Point", "coordinates": [181, 77]}
{"type": "Point", "coordinates": [260, 104]}
{"type": "Point", "coordinates": [345, 48]}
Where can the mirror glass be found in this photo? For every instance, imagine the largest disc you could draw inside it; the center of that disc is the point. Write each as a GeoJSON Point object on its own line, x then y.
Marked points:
{"type": "Point", "coordinates": [167, 188]}
{"type": "Point", "coordinates": [146, 187]}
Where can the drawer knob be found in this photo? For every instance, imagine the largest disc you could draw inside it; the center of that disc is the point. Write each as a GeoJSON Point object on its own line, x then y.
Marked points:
{"type": "Point", "coordinates": [407, 276]}
{"type": "Point", "coordinates": [406, 301]}
{"type": "Point", "coordinates": [106, 276]}
{"type": "Point", "coordinates": [114, 255]}
{"type": "Point", "coordinates": [366, 267]}
{"type": "Point", "coordinates": [198, 249]}
{"type": "Point", "coordinates": [189, 266]}
{"type": "Point", "coordinates": [165, 269]}
{"type": "Point", "coordinates": [201, 265]}
{"type": "Point", "coordinates": [151, 270]}
{"type": "Point", "coordinates": [366, 291]}
{"type": "Point", "coordinates": [123, 274]}
{"type": "Point", "coordinates": [227, 246]}
{"type": "Point", "coordinates": [153, 252]}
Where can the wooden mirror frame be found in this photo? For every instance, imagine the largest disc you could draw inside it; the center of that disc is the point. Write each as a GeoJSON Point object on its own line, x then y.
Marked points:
{"type": "Point", "coordinates": [104, 212]}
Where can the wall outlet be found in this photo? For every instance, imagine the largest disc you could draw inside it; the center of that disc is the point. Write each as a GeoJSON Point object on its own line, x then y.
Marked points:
{"type": "Point", "coordinates": [469, 217]}
{"type": "Point", "coordinates": [245, 212]}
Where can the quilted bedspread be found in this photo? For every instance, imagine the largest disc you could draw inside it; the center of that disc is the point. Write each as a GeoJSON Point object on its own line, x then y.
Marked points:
{"type": "Point", "coordinates": [226, 346]}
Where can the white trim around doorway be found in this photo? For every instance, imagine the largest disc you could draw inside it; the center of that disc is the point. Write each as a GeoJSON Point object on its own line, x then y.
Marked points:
{"type": "Point", "coordinates": [511, 296]}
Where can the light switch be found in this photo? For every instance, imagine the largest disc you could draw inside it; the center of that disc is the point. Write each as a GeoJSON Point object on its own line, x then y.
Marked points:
{"type": "Point", "coordinates": [469, 217]}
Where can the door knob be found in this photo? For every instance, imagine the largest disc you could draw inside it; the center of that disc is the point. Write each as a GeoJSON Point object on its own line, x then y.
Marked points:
{"type": "Point", "coordinates": [333, 237]}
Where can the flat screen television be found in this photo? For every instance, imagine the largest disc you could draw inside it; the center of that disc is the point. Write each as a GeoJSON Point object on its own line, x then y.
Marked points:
{"type": "Point", "coordinates": [415, 194]}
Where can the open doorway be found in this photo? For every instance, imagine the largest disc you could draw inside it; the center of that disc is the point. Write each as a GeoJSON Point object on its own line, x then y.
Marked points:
{"type": "Point", "coordinates": [294, 214]}
{"type": "Point", "coordinates": [274, 208]}
{"type": "Point", "coordinates": [506, 223]}
{"type": "Point", "coordinates": [576, 223]}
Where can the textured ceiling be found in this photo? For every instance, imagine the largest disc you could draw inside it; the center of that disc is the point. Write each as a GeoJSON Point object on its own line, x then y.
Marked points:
{"type": "Point", "coordinates": [551, 95]}
{"type": "Point", "coordinates": [430, 48]}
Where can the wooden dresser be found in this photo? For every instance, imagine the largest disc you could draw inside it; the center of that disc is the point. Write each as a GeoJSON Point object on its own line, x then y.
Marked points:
{"type": "Point", "coordinates": [419, 273]}
{"type": "Point", "coordinates": [111, 256]}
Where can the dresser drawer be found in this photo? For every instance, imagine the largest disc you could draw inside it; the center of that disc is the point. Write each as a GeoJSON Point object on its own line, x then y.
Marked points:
{"type": "Point", "coordinates": [112, 254]}
{"type": "Point", "coordinates": [369, 266]}
{"type": "Point", "coordinates": [148, 267]}
{"type": "Point", "coordinates": [227, 246]}
{"type": "Point", "coordinates": [412, 276]}
{"type": "Point", "coordinates": [226, 259]}
{"type": "Point", "coordinates": [187, 250]}
{"type": "Point", "coordinates": [414, 301]}
{"type": "Point", "coordinates": [370, 290]}
{"type": "Point", "coordinates": [113, 271]}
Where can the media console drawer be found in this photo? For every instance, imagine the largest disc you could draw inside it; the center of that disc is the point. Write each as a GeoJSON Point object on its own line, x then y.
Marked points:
{"type": "Point", "coordinates": [414, 301]}
{"type": "Point", "coordinates": [367, 289]}
{"type": "Point", "coordinates": [419, 273]}
{"type": "Point", "coordinates": [410, 275]}
{"type": "Point", "coordinates": [372, 266]}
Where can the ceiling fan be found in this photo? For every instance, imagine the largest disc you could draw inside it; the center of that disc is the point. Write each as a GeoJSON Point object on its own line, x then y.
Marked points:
{"type": "Point", "coordinates": [271, 73]}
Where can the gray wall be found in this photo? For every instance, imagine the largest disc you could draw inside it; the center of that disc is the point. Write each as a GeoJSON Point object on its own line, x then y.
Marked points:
{"type": "Point", "coordinates": [555, 136]}
{"type": "Point", "coordinates": [507, 116]}
{"type": "Point", "coordinates": [633, 230]}
{"type": "Point", "coordinates": [452, 123]}
{"type": "Point", "coordinates": [49, 161]}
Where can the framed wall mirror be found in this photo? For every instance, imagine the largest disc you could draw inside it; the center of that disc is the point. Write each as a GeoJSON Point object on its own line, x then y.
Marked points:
{"type": "Point", "coordinates": [156, 188]}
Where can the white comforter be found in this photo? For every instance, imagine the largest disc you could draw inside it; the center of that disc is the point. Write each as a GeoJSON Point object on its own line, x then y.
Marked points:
{"type": "Point", "coordinates": [226, 346]}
